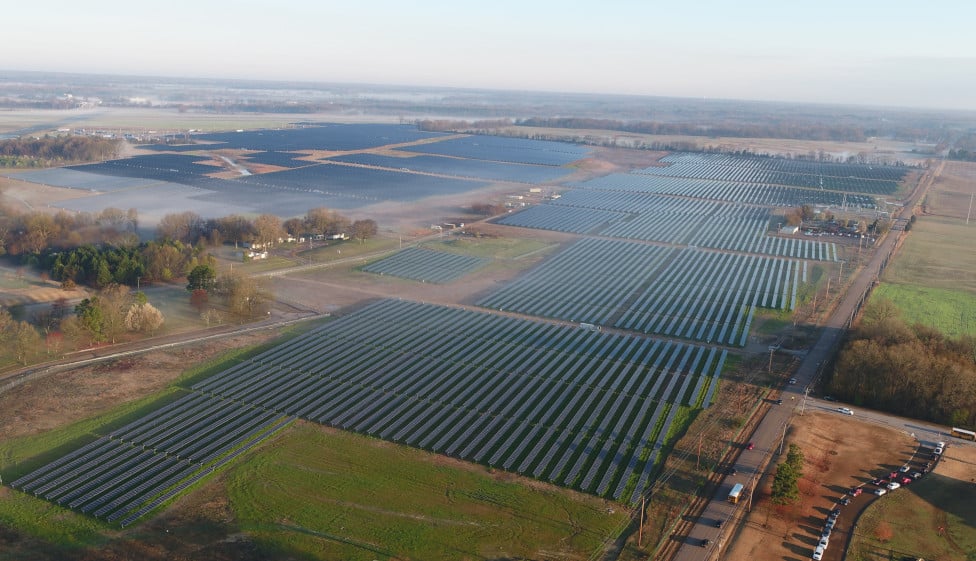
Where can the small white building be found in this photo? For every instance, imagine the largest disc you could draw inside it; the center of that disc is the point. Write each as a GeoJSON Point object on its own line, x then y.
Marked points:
{"type": "Point", "coordinates": [789, 230]}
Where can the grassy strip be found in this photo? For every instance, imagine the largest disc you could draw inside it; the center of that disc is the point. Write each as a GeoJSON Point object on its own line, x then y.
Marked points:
{"type": "Point", "coordinates": [492, 248]}
{"type": "Point", "coordinates": [329, 495]}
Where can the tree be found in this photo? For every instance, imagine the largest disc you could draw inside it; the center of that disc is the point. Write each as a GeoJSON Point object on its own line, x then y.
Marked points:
{"type": "Point", "coordinates": [199, 299]}
{"type": "Point", "coordinates": [186, 227]}
{"type": "Point", "coordinates": [364, 229]}
{"type": "Point", "coordinates": [26, 342]}
{"type": "Point", "coordinates": [267, 229]}
{"type": "Point", "coordinates": [114, 301]}
{"type": "Point", "coordinates": [90, 322]}
{"type": "Point", "coordinates": [202, 277]}
{"type": "Point", "coordinates": [143, 318]}
{"type": "Point", "coordinates": [785, 483]}
{"type": "Point", "coordinates": [243, 295]}
{"type": "Point", "coordinates": [294, 226]}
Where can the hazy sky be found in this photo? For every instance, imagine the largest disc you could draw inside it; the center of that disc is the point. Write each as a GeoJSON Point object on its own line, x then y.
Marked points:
{"type": "Point", "coordinates": [916, 54]}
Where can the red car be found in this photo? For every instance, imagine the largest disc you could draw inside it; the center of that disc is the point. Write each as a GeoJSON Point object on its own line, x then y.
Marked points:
{"type": "Point", "coordinates": [906, 480]}
{"type": "Point", "coordinates": [856, 491]}
{"type": "Point", "coordinates": [750, 446]}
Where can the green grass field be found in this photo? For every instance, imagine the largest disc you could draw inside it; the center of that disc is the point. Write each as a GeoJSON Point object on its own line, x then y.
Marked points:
{"type": "Point", "coordinates": [492, 248]}
{"type": "Point", "coordinates": [952, 312]}
{"type": "Point", "coordinates": [937, 254]}
{"type": "Point", "coordinates": [315, 493]}
{"type": "Point", "coordinates": [915, 516]}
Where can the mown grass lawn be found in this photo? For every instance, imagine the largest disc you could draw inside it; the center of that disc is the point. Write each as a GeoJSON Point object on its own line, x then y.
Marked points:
{"type": "Point", "coordinates": [952, 312]}
{"type": "Point", "coordinates": [931, 519]}
{"type": "Point", "coordinates": [318, 493]}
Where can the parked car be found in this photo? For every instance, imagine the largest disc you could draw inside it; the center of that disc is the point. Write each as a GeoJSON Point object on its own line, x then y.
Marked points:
{"type": "Point", "coordinates": [778, 402]}
{"type": "Point", "coordinates": [829, 398]}
{"type": "Point", "coordinates": [825, 533]}
{"type": "Point", "coordinates": [880, 491]}
{"type": "Point", "coordinates": [718, 522]}
{"type": "Point", "coordinates": [893, 485]}
{"type": "Point", "coordinates": [704, 542]}
{"type": "Point", "coordinates": [857, 491]}
{"type": "Point", "coordinates": [904, 469]}
{"type": "Point", "coordinates": [845, 501]}
{"type": "Point", "coordinates": [878, 482]}
{"type": "Point", "coordinates": [893, 475]}
{"type": "Point", "coordinates": [818, 553]}
{"type": "Point", "coordinates": [733, 471]}
{"type": "Point", "coordinates": [824, 542]}
{"type": "Point", "coordinates": [916, 474]}
{"type": "Point", "coordinates": [906, 480]}
{"type": "Point", "coordinates": [938, 450]}
{"type": "Point", "coordinates": [750, 446]}
{"type": "Point", "coordinates": [792, 380]}
{"type": "Point", "coordinates": [940, 444]}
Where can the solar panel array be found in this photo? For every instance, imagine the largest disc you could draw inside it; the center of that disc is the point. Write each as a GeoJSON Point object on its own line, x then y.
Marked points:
{"type": "Point", "coordinates": [575, 407]}
{"type": "Point", "coordinates": [735, 191]}
{"type": "Point", "coordinates": [119, 474]}
{"type": "Point", "coordinates": [426, 265]}
{"type": "Point", "coordinates": [689, 293]}
{"type": "Point", "coordinates": [873, 180]}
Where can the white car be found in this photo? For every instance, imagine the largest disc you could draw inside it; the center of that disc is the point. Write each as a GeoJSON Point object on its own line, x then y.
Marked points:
{"type": "Point", "coordinates": [938, 449]}
{"type": "Point", "coordinates": [893, 485]}
{"type": "Point", "coordinates": [880, 491]}
{"type": "Point", "coordinates": [823, 542]}
{"type": "Point", "coordinates": [940, 444]}
{"type": "Point", "coordinates": [818, 553]}
{"type": "Point", "coordinates": [904, 469]}
{"type": "Point", "coordinates": [845, 410]}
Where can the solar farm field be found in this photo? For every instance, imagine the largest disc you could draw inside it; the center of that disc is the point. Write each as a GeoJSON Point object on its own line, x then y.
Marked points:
{"type": "Point", "coordinates": [693, 222]}
{"type": "Point", "coordinates": [363, 184]}
{"type": "Point", "coordinates": [571, 406]}
{"type": "Point", "coordinates": [131, 471]}
{"type": "Point", "coordinates": [734, 191]}
{"type": "Point", "coordinates": [689, 293]}
{"type": "Point", "coordinates": [280, 159]}
{"type": "Point", "coordinates": [872, 180]}
{"type": "Point", "coordinates": [504, 149]}
{"type": "Point", "coordinates": [567, 405]}
{"type": "Point", "coordinates": [326, 136]}
{"type": "Point", "coordinates": [425, 265]}
{"type": "Point", "coordinates": [480, 169]}
{"type": "Point", "coordinates": [563, 218]}
{"type": "Point", "coordinates": [75, 179]}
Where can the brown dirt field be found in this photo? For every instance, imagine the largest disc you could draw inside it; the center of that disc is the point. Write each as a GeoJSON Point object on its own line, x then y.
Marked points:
{"type": "Point", "coordinates": [60, 399]}
{"type": "Point", "coordinates": [952, 191]}
{"type": "Point", "coordinates": [839, 453]}
{"type": "Point", "coordinates": [22, 196]}
{"type": "Point", "coordinates": [329, 290]}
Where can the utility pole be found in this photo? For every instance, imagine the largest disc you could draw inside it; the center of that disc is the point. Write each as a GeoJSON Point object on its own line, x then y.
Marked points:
{"type": "Point", "coordinates": [640, 530]}
{"type": "Point", "coordinates": [970, 212]}
{"type": "Point", "coordinates": [701, 436]}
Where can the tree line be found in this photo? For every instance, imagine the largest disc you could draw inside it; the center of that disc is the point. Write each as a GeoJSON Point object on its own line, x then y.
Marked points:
{"type": "Point", "coordinates": [56, 150]}
{"type": "Point", "coordinates": [910, 370]}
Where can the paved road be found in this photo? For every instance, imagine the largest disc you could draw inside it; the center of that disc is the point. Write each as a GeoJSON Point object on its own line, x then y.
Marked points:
{"type": "Point", "coordinates": [770, 433]}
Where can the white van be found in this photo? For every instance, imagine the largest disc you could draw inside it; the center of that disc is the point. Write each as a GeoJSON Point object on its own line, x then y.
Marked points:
{"type": "Point", "coordinates": [818, 553]}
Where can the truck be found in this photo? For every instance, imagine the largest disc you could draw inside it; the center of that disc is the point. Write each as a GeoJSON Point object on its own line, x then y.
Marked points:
{"type": "Point", "coordinates": [735, 493]}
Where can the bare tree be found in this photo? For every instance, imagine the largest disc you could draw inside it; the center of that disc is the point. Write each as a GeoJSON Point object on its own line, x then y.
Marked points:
{"type": "Point", "coordinates": [143, 318]}
{"type": "Point", "coordinates": [362, 230]}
